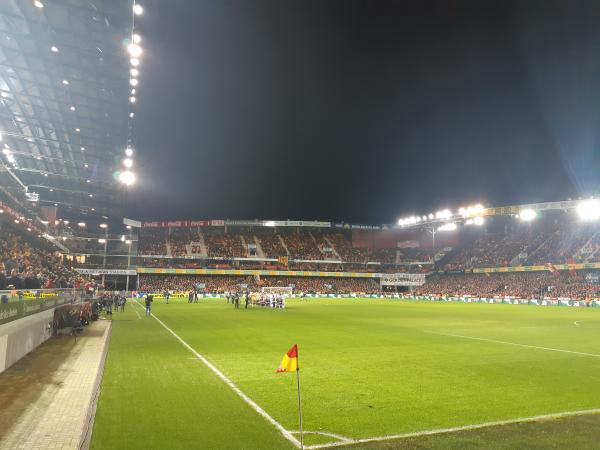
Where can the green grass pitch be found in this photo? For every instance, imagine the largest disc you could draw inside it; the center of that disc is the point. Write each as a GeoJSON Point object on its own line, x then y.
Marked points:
{"type": "Point", "coordinates": [369, 368]}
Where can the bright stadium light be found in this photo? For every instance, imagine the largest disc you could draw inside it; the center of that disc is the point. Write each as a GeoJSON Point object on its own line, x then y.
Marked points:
{"type": "Point", "coordinates": [137, 39]}
{"type": "Point", "coordinates": [103, 225]}
{"type": "Point", "coordinates": [137, 9]}
{"type": "Point", "coordinates": [129, 151]}
{"type": "Point", "coordinates": [102, 241]}
{"type": "Point", "coordinates": [447, 227]}
{"type": "Point", "coordinates": [134, 72]}
{"type": "Point", "coordinates": [270, 223]}
{"type": "Point", "coordinates": [589, 210]}
{"type": "Point", "coordinates": [527, 215]}
{"type": "Point", "coordinates": [133, 82]}
{"type": "Point", "coordinates": [134, 62]}
{"type": "Point", "coordinates": [38, 4]}
{"type": "Point", "coordinates": [132, 99]}
{"type": "Point", "coordinates": [128, 242]}
{"type": "Point", "coordinates": [478, 220]}
{"type": "Point", "coordinates": [127, 178]}
{"type": "Point", "coordinates": [81, 224]}
{"type": "Point", "coordinates": [128, 162]}
{"type": "Point", "coordinates": [135, 50]}
{"type": "Point", "coordinates": [54, 49]}
{"type": "Point", "coordinates": [431, 216]}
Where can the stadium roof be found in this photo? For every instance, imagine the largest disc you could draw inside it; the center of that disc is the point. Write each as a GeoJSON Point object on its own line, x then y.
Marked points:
{"type": "Point", "coordinates": [64, 99]}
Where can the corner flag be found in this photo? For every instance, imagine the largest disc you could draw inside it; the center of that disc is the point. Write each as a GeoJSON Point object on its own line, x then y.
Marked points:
{"type": "Point", "coordinates": [289, 363]}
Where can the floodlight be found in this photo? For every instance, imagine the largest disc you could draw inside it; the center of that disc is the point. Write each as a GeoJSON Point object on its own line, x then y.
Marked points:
{"type": "Point", "coordinates": [133, 82]}
{"type": "Point", "coordinates": [103, 225]}
{"type": "Point", "coordinates": [128, 242]}
{"type": "Point", "coordinates": [132, 99]}
{"type": "Point", "coordinates": [589, 210]}
{"type": "Point", "coordinates": [81, 224]}
{"type": "Point", "coordinates": [54, 49]}
{"type": "Point", "coordinates": [102, 241]}
{"type": "Point", "coordinates": [137, 9]}
{"type": "Point", "coordinates": [128, 162]}
{"type": "Point", "coordinates": [270, 223]}
{"type": "Point", "coordinates": [127, 178]}
{"type": "Point", "coordinates": [137, 39]}
{"type": "Point", "coordinates": [134, 50]}
{"type": "Point", "coordinates": [65, 82]}
{"type": "Point", "coordinates": [478, 220]}
{"type": "Point", "coordinates": [134, 62]}
{"type": "Point", "coordinates": [38, 4]}
{"type": "Point", "coordinates": [134, 72]}
{"type": "Point", "coordinates": [527, 215]}
{"type": "Point", "coordinates": [129, 151]}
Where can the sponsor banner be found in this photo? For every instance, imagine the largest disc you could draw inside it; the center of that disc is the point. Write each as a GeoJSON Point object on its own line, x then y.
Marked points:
{"type": "Point", "coordinates": [244, 223]}
{"type": "Point", "coordinates": [253, 272]}
{"type": "Point", "coordinates": [199, 223]}
{"type": "Point", "coordinates": [298, 223]}
{"type": "Point", "coordinates": [403, 279]}
{"type": "Point", "coordinates": [217, 223]}
{"type": "Point", "coordinates": [131, 222]}
{"type": "Point", "coordinates": [578, 266]}
{"type": "Point", "coordinates": [408, 244]}
{"type": "Point", "coordinates": [365, 227]}
{"type": "Point", "coordinates": [106, 271]}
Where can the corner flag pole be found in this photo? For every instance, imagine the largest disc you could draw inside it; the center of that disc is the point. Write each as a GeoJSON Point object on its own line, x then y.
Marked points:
{"type": "Point", "coordinates": [300, 409]}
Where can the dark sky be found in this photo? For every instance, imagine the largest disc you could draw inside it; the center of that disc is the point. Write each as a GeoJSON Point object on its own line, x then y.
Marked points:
{"type": "Point", "coordinates": [364, 111]}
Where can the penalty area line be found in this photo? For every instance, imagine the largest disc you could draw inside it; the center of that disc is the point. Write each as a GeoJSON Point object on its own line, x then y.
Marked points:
{"type": "Point", "coordinates": [550, 349]}
{"type": "Point", "coordinates": [459, 428]}
{"type": "Point", "coordinates": [286, 434]}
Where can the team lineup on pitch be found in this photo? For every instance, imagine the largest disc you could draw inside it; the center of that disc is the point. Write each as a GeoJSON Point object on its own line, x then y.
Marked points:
{"type": "Point", "coordinates": [353, 398]}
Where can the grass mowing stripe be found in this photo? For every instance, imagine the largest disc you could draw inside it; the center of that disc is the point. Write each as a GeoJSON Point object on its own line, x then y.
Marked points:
{"type": "Point", "coordinates": [458, 429]}
{"type": "Point", "coordinates": [515, 344]}
{"type": "Point", "coordinates": [231, 384]}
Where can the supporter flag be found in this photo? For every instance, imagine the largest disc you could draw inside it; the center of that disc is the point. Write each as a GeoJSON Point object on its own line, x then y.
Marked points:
{"type": "Point", "coordinates": [283, 260]}
{"type": "Point", "coordinates": [289, 363]}
{"type": "Point", "coordinates": [552, 269]}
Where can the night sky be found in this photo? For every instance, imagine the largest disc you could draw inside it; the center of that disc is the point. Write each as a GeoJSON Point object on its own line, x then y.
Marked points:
{"type": "Point", "coordinates": [364, 111]}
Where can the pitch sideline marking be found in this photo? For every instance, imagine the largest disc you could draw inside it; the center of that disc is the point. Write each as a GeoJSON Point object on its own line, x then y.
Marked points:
{"type": "Point", "coordinates": [286, 434]}
{"type": "Point", "coordinates": [339, 437]}
{"type": "Point", "coordinates": [516, 344]}
{"type": "Point", "coordinates": [459, 428]}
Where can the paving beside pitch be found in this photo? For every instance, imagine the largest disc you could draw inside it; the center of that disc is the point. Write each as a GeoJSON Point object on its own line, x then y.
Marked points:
{"type": "Point", "coordinates": [370, 368]}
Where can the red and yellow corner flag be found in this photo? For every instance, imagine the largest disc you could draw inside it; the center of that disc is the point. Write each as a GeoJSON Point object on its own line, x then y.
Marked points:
{"type": "Point", "coordinates": [289, 363]}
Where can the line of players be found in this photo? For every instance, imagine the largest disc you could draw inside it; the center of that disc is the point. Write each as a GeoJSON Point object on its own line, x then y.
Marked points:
{"type": "Point", "coordinates": [263, 299]}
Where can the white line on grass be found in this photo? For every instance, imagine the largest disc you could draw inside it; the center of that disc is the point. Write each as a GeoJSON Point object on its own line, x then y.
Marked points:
{"type": "Point", "coordinates": [460, 428]}
{"type": "Point", "coordinates": [339, 437]}
{"type": "Point", "coordinates": [577, 322]}
{"type": "Point", "coordinates": [594, 355]}
{"type": "Point", "coordinates": [138, 314]}
{"type": "Point", "coordinates": [286, 434]}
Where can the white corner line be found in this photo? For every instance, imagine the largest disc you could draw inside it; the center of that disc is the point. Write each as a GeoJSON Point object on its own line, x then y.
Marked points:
{"type": "Point", "coordinates": [550, 349]}
{"type": "Point", "coordinates": [286, 434]}
{"type": "Point", "coordinates": [456, 429]}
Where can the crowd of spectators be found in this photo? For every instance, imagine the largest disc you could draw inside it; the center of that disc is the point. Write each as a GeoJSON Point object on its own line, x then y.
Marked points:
{"type": "Point", "coordinates": [220, 244]}
{"type": "Point", "coordinates": [302, 246]}
{"type": "Point", "coordinates": [223, 283]}
{"type": "Point", "coordinates": [517, 284]}
{"type": "Point", "coordinates": [24, 265]}
{"type": "Point", "coordinates": [153, 241]}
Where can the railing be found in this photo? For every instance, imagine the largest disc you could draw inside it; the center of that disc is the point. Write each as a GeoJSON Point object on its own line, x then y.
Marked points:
{"type": "Point", "coordinates": [15, 304]}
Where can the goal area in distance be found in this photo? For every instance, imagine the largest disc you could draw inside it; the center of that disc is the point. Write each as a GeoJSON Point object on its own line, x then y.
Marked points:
{"type": "Point", "coordinates": [279, 290]}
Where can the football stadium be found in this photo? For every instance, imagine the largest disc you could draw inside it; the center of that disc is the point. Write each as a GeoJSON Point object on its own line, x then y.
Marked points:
{"type": "Point", "coordinates": [144, 306]}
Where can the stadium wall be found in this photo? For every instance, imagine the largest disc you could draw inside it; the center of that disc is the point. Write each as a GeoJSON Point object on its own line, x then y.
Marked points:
{"type": "Point", "coordinates": [21, 336]}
